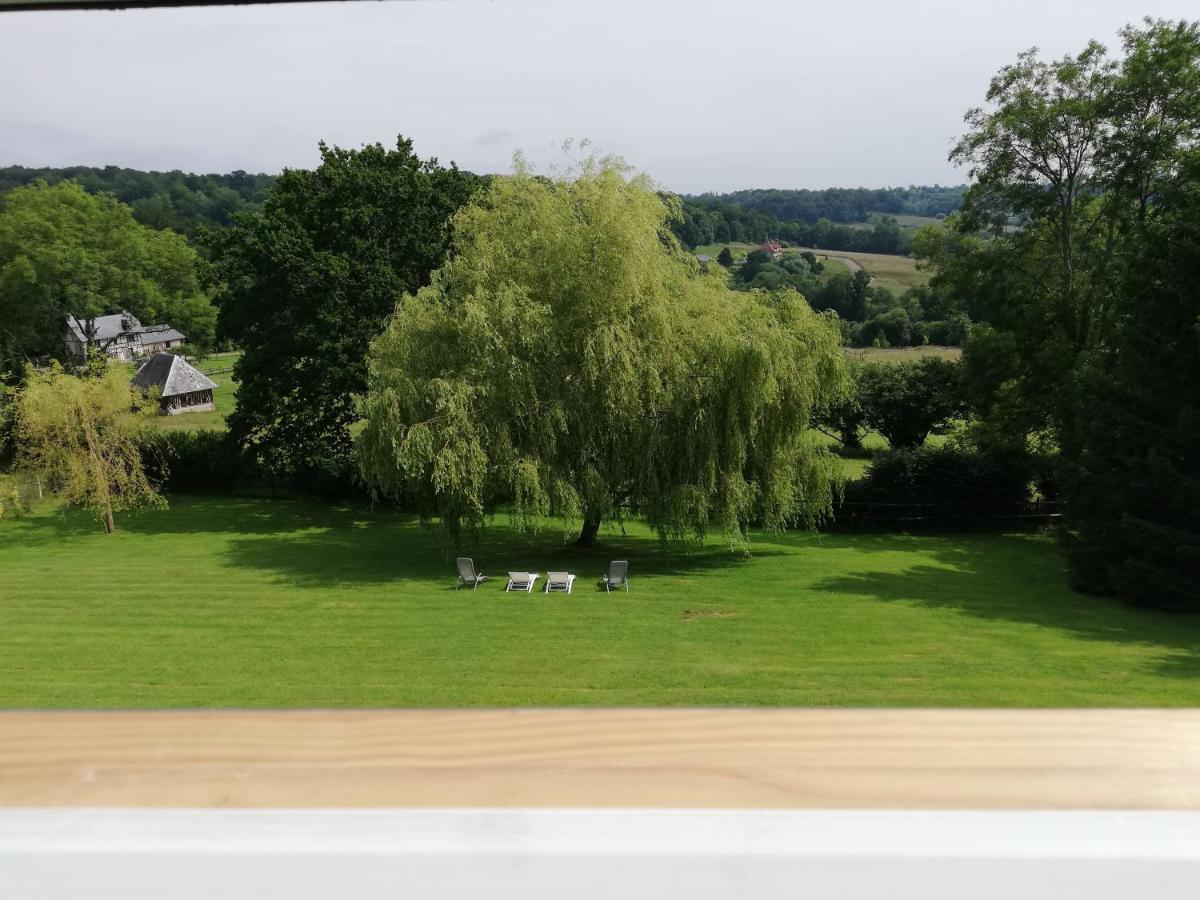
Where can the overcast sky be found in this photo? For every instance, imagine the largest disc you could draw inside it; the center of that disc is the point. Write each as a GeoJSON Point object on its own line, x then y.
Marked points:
{"type": "Point", "coordinates": [701, 95]}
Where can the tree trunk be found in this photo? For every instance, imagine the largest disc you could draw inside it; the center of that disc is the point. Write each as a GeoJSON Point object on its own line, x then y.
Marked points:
{"type": "Point", "coordinates": [109, 525]}
{"type": "Point", "coordinates": [591, 527]}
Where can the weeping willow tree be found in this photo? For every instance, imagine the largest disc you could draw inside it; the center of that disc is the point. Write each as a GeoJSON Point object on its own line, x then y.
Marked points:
{"type": "Point", "coordinates": [82, 438]}
{"type": "Point", "coordinates": [572, 360]}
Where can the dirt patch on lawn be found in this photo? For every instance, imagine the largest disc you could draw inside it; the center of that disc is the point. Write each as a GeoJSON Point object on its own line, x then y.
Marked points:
{"type": "Point", "coordinates": [707, 613]}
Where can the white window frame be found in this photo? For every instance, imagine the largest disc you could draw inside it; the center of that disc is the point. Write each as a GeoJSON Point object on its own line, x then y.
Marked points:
{"type": "Point", "coordinates": [582, 854]}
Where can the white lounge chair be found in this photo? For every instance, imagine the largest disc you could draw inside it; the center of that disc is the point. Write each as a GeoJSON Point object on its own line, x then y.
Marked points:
{"type": "Point", "coordinates": [617, 576]}
{"type": "Point", "coordinates": [559, 581]}
{"type": "Point", "coordinates": [521, 581]}
{"type": "Point", "coordinates": [467, 573]}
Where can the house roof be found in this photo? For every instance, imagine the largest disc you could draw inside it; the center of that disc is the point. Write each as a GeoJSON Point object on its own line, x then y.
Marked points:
{"type": "Point", "coordinates": [112, 326]}
{"type": "Point", "coordinates": [107, 327]}
{"type": "Point", "coordinates": [156, 334]}
{"type": "Point", "coordinates": [173, 374]}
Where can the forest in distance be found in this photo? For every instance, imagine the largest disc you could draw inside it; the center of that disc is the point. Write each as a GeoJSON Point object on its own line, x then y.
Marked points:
{"type": "Point", "coordinates": [873, 220]}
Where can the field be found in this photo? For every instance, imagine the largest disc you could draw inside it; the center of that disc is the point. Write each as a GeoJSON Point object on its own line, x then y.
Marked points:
{"type": "Point", "coordinates": [737, 248]}
{"type": "Point", "coordinates": [251, 603]}
{"type": "Point", "coordinates": [892, 355]}
{"type": "Point", "coordinates": [906, 222]}
{"type": "Point", "coordinates": [896, 273]}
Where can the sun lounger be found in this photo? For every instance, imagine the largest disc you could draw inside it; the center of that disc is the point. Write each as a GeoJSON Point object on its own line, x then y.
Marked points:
{"type": "Point", "coordinates": [521, 581]}
{"type": "Point", "coordinates": [617, 575]}
{"type": "Point", "coordinates": [559, 581]}
{"type": "Point", "coordinates": [467, 573]}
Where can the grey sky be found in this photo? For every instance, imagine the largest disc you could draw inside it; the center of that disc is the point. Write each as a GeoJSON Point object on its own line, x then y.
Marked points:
{"type": "Point", "coordinates": [701, 95]}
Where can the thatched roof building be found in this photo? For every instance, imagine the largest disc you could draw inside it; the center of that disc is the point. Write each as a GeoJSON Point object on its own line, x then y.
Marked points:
{"type": "Point", "coordinates": [183, 388]}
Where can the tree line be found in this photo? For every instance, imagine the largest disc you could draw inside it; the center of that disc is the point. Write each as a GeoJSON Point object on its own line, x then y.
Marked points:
{"type": "Point", "coordinates": [844, 204]}
{"type": "Point", "coordinates": [193, 203]}
{"type": "Point", "coordinates": [716, 221]}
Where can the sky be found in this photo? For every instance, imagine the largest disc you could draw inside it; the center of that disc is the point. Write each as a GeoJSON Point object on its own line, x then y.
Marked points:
{"type": "Point", "coordinates": [702, 96]}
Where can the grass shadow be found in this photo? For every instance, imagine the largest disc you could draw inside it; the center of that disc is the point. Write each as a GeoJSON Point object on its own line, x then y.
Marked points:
{"type": "Point", "coordinates": [373, 547]}
{"type": "Point", "coordinates": [976, 579]}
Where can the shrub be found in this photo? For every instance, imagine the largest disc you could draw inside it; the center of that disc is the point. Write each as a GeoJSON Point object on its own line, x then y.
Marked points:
{"type": "Point", "coordinates": [894, 327]}
{"type": "Point", "coordinates": [954, 483]}
{"type": "Point", "coordinates": [193, 460]}
{"type": "Point", "coordinates": [948, 332]}
{"type": "Point", "coordinates": [209, 460]}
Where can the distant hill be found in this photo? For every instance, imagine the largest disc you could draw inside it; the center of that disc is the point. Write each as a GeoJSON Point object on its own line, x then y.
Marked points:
{"type": "Point", "coordinates": [179, 200]}
{"type": "Point", "coordinates": [836, 219]}
{"type": "Point", "coordinates": [843, 205]}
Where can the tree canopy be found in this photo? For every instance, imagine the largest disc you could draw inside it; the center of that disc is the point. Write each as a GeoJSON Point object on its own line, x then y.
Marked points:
{"type": "Point", "coordinates": [310, 279]}
{"type": "Point", "coordinates": [183, 201]}
{"type": "Point", "coordinates": [65, 251]}
{"type": "Point", "coordinates": [906, 402]}
{"type": "Point", "coordinates": [572, 359]}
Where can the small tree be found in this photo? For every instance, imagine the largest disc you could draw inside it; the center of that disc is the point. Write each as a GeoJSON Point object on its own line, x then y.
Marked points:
{"type": "Point", "coordinates": [725, 258]}
{"type": "Point", "coordinates": [83, 438]}
{"type": "Point", "coordinates": [907, 402]}
{"type": "Point", "coordinates": [569, 358]}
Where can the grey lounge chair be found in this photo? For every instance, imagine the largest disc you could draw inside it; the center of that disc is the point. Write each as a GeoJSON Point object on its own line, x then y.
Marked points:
{"type": "Point", "coordinates": [521, 581]}
{"type": "Point", "coordinates": [617, 575]}
{"type": "Point", "coordinates": [559, 581]}
{"type": "Point", "coordinates": [467, 573]}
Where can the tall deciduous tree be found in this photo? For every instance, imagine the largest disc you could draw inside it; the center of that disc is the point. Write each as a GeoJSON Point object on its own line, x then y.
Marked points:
{"type": "Point", "coordinates": [571, 357]}
{"type": "Point", "coordinates": [65, 251]}
{"type": "Point", "coordinates": [1134, 484]}
{"type": "Point", "coordinates": [1085, 171]}
{"type": "Point", "coordinates": [310, 280]}
{"type": "Point", "coordinates": [83, 438]}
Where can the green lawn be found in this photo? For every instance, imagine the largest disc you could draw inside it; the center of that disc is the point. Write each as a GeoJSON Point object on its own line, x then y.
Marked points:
{"type": "Point", "coordinates": [252, 603]}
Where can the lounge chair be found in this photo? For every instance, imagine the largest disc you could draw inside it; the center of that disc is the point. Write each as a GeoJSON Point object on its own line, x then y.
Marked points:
{"type": "Point", "coordinates": [559, 581]}
{"type": "Point", "coordinates": [521, 581]}
{"type": "Point", "coordinates": [467, 573]}
{"type": "Point", "coordinates": [617, 576]}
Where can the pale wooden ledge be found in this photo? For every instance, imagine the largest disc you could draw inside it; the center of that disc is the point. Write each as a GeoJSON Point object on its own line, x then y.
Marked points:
{"type": "Point", "coordinates": [834, 759]}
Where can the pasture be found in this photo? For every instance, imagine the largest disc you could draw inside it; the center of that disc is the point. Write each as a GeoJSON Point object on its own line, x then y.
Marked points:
{"type": "Point", "coordinates": [896, 355]}
{"type": "Point", "coordinates": [222, 602]}
{"type": "Point", "coordinates": [896, 273]}
{"type": "Point", "coordinates": [737, 248]}
{"type": "Point", "coordinates": [906, 222]}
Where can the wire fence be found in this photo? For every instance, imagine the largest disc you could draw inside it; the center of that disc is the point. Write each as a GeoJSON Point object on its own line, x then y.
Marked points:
{"type": "Point", "coordinates": [883, 513]}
